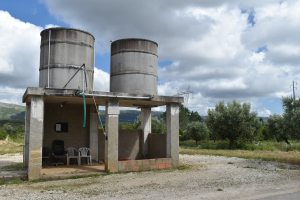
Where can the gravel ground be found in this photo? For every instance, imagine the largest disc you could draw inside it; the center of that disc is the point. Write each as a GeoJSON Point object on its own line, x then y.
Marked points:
{"type": "Point", "coordinates": [10, 159]}
{"type": "Point", "coordinates": [207, 177]}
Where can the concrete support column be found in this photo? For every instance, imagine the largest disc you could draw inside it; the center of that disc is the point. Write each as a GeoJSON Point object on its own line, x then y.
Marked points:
{"type": "Point", "coordinates": [112, 136]}
{"type": "Point", "coordinates": [146, 129]}
{"type": "Point", "coordinates": [27, 132]}
{"type": "Point", "coordinates": [36, 137]}
{"type": "Point", "coordinates": [173, 134]}
{"type": "Point", "coordinates": [94, 132]}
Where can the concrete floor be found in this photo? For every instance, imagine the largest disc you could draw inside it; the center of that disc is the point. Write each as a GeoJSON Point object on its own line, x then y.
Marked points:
{"type": "Point", "coordinates": [71, 170]}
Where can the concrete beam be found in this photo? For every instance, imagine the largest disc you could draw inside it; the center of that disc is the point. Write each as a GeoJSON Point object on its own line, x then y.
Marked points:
{"type": "Point", "coordinates": [172, 150]}
{"type": "Point", "coordinates": [112, 136]}
{"type": "Point", "coordinates": [36, 137]}
{"type": "Point", "coordinates": [27, 133]}
{"type": "Point", "coordinates": [94, 132]}
{"type": "Point", "coordinates": [146, 129]}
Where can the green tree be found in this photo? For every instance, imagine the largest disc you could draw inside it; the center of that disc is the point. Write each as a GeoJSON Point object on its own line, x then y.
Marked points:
{"type": "Point", "coordinates": [185, 116]}
{"type": "Point", "coordinates": [9, 129]}
{"type": "Point", "coordinates": [286, 127]}
{"type": "Point", "coordinates": [157, 126]}
{"type": "Point", "coordinates": [194, 117]}
{"type": "Point", "coordinates": [233, 121]}
{"type": "Point", "coordinates": [197, 131]}
{"type": "Point", "coordinates": [276, 128]}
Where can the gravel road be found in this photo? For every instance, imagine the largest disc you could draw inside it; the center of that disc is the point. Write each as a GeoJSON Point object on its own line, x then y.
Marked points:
{"type": "Point", "coordinates": [206, 177]}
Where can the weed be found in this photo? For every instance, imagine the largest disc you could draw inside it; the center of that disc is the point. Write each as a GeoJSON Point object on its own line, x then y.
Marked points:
{"type": "Point", "coordinates": [184, 167]}
{"type": "Point", "coordinates": [229, 163]}
{"type": "Point", "coordinates": [219, 190]}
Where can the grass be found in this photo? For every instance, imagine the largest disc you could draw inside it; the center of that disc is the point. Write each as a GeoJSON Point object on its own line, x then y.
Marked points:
{"type": "Point", "coordinates": [52, 179]}
{"type": "Point", "coordinates": [292, 157]}
{"type": "Point", "coordinates": [11, 147]}
{"type": "Point", "coordinates": [15, 167]}
{"type": "Point", "coordinates": [261, 145]}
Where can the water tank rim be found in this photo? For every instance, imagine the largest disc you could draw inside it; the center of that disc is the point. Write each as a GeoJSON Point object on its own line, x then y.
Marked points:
{"type": "Point", "coordinates": [65, 28]}
{"type": "Point", "coordinates": [135, 39]}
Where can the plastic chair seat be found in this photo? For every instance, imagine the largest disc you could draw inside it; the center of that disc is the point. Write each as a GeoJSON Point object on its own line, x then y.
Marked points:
{"type": "Point", "coordinates": [71, 154]}
{"type": "Point", "coordinates": [83, 153]}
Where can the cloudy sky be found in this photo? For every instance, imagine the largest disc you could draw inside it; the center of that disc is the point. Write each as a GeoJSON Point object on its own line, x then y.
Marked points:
{"type": "Point", "coordinates": [224, 50]}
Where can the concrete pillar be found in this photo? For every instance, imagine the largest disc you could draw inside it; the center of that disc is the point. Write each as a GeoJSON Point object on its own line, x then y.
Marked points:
{"type": "Point", "coordinates": [27, 132]}
{"type": "Point", "coordinates": [146, 129]}
{"type": "Point", "coordinates": [94, 132]}
{"type": "Point", "coordinates": [36, 137]}
{"type": "Point", "coordinates": [112, 136]}
{"type": "Point", "coordinates": [172, 150]}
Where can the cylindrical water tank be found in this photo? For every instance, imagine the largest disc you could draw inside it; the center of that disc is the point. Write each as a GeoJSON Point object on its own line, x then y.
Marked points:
{"type": "Point", "coordinates": [134, 66]}
{"type": "Point", "coordinates": [69, 49]}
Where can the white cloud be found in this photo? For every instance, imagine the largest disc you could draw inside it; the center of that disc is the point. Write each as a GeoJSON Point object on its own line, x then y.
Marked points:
{"type": "Point", "coordinates": [19, 52]}
{"type": "Point", "coordinates": [264, 113]}
{"type": "Point", "coordinates": [101, 80]}
{"type": "Point", "coordinates": [50, 26]}
{"type": "Point", "coordinates": [11, 95]}
{"type": "Point", "coordinates": [212, 45]}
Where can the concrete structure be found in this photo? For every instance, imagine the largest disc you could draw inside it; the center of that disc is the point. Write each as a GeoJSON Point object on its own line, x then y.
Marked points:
{"type": "Point", "coordinates": [78, 136]}
{"type": "Point", "coordinates": [134, 66]}
{"type": "Point", "coordinates": [56, 113]}
{"type": "Point", "coordinates": [69, 49]}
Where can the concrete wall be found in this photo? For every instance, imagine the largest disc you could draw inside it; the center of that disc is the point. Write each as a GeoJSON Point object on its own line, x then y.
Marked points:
{"type": "Point", "coordinates": [77, 136]}
{"type": "Point", "coordinates": [144, 165]}
{"type": "Point", "coordinates": [130, 145]}
{"type": "Point", "coordinates": [157, 145]}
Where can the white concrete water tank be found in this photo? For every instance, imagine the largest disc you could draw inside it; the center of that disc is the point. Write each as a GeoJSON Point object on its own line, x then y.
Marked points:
{"type": "Point", "coordinates": [133, 66]}
{"type": "Point", "coordinates": [69, 49]}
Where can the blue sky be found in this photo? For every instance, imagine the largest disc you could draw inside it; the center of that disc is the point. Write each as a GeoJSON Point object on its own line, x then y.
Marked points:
{"type": "Point", "coordinates": [223, 50]}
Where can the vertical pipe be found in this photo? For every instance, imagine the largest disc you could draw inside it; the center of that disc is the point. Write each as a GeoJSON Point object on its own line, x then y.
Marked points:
{"type": "Point", "coordinates": [83, 78]}
{"type": "Point", "coordinates": [49, 58]}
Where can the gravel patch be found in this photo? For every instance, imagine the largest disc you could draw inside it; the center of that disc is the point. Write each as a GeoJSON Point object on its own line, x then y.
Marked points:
{"type": "Point", "coordinates": [10, 159]}
{"type": "Point", "coordinates": [208, 177]}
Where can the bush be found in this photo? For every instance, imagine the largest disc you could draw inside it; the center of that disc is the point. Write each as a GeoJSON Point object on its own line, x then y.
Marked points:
{"type": "Point", "coordinates": [222, 145]}
{"type": "Point", "coordinates": [3, 135]}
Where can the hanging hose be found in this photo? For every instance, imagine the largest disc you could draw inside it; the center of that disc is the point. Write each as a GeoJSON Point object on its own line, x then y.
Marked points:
{"type": "Point", "coordinates": [84, 107]}
{"type": "Point", "coordinates": [99, 115]}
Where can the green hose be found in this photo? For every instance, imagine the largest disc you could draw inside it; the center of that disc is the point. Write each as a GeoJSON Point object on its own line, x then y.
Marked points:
{"type": "Point", "coordinates": [84, 107]}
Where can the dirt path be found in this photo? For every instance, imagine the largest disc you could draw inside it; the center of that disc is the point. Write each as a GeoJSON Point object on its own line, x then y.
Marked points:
{"type": "Point", "coordinates": [207, 177]}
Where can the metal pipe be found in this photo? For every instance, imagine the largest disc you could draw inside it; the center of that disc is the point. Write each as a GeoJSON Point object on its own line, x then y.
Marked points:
{"type": "Point", "coordinates": [129, 97]}
{"type": "Point", "coordinates": [49, 58]}
{"type": "Point", "coordinates": [83, 81]}
{"type": "Point", "coordinates": [61, 93]}
{"type": "Point", "coordinates": [73, 76]}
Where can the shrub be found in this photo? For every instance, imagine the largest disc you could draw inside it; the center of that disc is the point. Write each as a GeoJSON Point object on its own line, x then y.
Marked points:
{"type": "Point", "coordinates": [3, 135]}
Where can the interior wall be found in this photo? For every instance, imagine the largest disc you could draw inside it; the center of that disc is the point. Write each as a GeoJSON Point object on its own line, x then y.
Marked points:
{"type": "Point", "coordinates": [77, 136]}
{"type": "Point", "coordinates": [130, 145]}
{"type": "Point", "coordinates": [157, 145]}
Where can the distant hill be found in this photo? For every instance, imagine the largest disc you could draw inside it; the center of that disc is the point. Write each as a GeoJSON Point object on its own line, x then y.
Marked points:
{"type": "Point", "coordinates": [12, 111]}
{"type": "Point", "coordinates": [128, 116]}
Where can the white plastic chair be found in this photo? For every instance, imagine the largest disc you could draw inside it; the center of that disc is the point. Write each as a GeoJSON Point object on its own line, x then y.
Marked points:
{"type": "Point", "coordinates": [83, 153]}
{"type": "Point", "coordinates": [71, 154]}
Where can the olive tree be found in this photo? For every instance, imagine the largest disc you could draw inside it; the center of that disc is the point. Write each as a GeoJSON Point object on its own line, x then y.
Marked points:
{"type": "Point", "coordinates": [276, 128]}
{"type": "Point", "coordinates": [197, 131]}
{"type": "Point", "coordinates": [285, 127]}
{"type": "Point", "coordinates": [233, 121]}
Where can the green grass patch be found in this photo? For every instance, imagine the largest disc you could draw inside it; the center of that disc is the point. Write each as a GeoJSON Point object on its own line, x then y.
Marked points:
{"type": "Point", "coordinates": [224, 145]}
{"type": "Point", "coordinates": [15, 167]}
